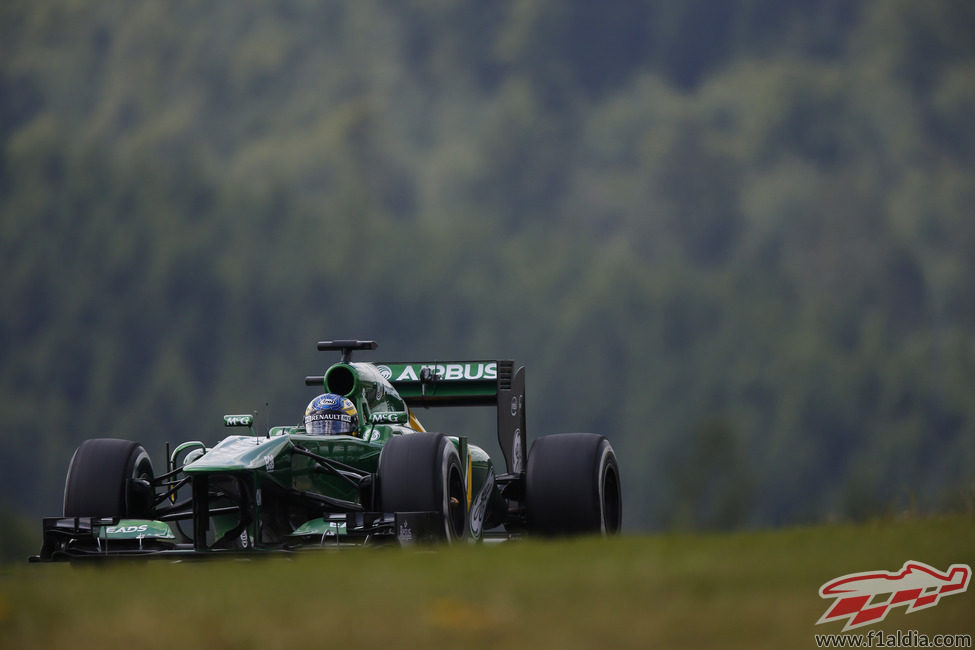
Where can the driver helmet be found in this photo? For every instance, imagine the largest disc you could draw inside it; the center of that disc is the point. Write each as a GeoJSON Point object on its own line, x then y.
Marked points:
{"type": "Point", "coordinates": [331, 415]}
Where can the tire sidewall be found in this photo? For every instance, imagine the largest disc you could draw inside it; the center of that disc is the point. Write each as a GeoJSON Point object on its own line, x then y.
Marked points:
{"type": "Point", "coordinates": [95, 484]}
{"type": "Point", "coordinates": [415, 474]}
{"type": "Point", "coordinates": [450, 459]}
{"type": "Point", "coordinates": [573, 485]}
{"type": "Point", "coordinates": [141, 465]}
{"type": "Point", "coordinates": [608, 463]}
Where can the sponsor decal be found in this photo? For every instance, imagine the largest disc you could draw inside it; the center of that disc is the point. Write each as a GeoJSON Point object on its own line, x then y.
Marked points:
{"type": "Point", "coordinates": [388, 417]}
{"type": "Point", "coordinates": [322, 401]}
{"type": "Point", "coordinates": [115, 530]}
{"type": "Point", "coordinates": [341, 417]}
{"type": "Point", "coordinates": [517, 459]}
{"type": "Point", "coordinates": [139, 529]}
{"type": "Point", "coordinates": [408, 374]}
{"type": "Point", "coordinates": [480, 505]}
{"type": "Point", "coordinates": [385, 371]}
{"type": "Point", "coordinates": [238, 420]}
{"type": "Point", "coordinates": [269, 463]}
{"type": "Point", "coordinates": [449, 371]}
{"type": "Point", "coordinates": [866, 598]}
{"type": "Point", "coordinates": [405, 535]}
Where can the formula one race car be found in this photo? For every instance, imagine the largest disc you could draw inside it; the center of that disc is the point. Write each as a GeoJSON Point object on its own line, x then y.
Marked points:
{"type": "Point", "coordinates": [310, 485]}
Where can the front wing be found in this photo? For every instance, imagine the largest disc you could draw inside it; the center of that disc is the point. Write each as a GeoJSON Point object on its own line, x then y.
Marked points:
{"type": "Point", "coordinates": [80, 538]}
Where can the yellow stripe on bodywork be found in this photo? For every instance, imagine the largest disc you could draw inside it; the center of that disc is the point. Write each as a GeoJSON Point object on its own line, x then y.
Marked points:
{"type": "Point", "coordinates": [415, 424]}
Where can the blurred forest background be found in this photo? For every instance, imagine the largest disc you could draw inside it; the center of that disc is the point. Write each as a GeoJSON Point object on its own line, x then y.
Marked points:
{"type": "Point", "coordinates": [734, 236]}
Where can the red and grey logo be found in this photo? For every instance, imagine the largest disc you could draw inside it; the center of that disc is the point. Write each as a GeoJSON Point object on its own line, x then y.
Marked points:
{"type": "Point", "coordinates": [865, 598]}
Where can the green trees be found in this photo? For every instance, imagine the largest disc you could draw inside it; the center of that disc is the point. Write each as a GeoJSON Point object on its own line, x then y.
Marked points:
{"type": "Point", "coordinates": [733, 238]}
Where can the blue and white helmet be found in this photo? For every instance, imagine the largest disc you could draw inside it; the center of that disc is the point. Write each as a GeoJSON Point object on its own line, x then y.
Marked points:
{"type": "Point", "coordinates": [331, 415]}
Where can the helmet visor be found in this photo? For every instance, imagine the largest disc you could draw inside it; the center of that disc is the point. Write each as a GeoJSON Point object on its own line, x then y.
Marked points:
{"type": "Point", "coordinates": [328, 424]}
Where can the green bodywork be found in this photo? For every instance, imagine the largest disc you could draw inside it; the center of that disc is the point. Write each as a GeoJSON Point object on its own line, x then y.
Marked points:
{"type": "Point", "coordinates": [135, 529]}
{"type": "Point", "coordinates": [283, 488]}
{"type": "Point", "coordinates": [268, 462]}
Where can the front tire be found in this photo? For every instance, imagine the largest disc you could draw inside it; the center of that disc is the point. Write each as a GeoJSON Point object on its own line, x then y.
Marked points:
{"type": "Point", "coordinates": [421, 472]}
{"type": "Point", "coordinates": [572, 485]}
{"type": "Point", "coordinates": [98, 478]}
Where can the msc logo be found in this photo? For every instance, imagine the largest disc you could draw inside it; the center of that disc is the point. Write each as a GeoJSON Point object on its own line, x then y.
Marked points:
{"type": "Point", "coordinates": [865, 598]}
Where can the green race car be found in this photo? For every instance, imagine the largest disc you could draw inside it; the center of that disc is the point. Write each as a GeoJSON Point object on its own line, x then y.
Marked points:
{"type": "Point", "coordinates": [360, 469]}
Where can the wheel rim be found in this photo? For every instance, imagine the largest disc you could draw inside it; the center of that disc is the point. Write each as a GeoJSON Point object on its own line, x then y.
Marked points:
{"type": "Point", "coordinates": [611, 502]}
{"type": "Point", "coordinates": [456, 502]}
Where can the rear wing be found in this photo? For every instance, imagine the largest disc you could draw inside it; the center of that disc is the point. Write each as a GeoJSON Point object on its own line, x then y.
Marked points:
{"type": "Point", "coordinates": [458, 383]}
{"type": "Point", "coordinates": [469, 383]}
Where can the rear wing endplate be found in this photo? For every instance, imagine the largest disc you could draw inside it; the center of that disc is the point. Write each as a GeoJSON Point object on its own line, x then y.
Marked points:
{"type": "Point", "coordinates": [469, 383]}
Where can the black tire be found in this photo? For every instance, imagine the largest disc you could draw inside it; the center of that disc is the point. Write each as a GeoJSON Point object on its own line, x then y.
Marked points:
{"type": "Point", "coordinates": [572, 485]}
{"type": "Point", "coordinates": [98, 475]}
{"type": "Point", "coordinates": [421, 472]}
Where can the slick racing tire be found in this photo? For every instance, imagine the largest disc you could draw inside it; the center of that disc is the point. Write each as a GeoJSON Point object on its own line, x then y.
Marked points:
{"type": "Point", "coordinates": [421, 472]}
{"type": "Point", "coordinates": [572, 485]}
{"type": "Point", "coordinates": [97, 484]}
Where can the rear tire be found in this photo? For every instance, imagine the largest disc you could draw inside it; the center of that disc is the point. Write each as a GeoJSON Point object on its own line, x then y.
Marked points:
{"type": "Point", "coordinates": [97, 480]}
{"type": "Point", "coordinates": [572, 485]}
{"type": "Point", "coordinates": [421, 472]}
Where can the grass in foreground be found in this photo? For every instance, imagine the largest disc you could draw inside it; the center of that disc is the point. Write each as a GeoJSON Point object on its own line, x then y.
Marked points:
{"type": "Point", "coordinates": [741, 590]}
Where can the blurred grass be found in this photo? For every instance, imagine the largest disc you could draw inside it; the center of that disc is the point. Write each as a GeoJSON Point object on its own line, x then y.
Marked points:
{"type": "Point", "coordinates": [735, 590]}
